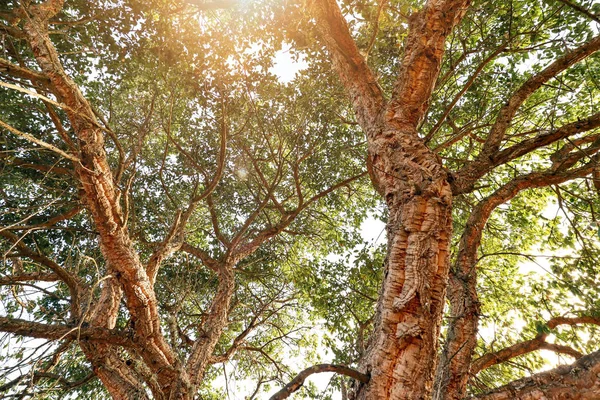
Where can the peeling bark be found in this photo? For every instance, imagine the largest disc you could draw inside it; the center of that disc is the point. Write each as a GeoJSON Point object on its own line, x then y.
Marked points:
{"type": "Point", "coordinates": [298, 381]}
{"type": "Point", "coordinates": [402, 351]}
{"type": "Point", "coordinates": [579, 381]}
{"type": "Point", "coordinates": [455, 368]}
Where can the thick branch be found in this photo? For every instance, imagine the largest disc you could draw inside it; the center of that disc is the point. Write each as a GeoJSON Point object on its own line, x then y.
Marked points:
{"type": "Point", "coordinates": [59, 332]}
{"type": "Point", "coordinates": [424, 49]}
{"type": "Point", "coordinates": [213, 326]}
{"type": "Point", "coordinates": [356, 76]}
{"type": "Point", "coordinates": [49, 223]}
{"type": "Point", "coordinates": [39, 142]}
{"type": "Point", "coordinates": [516, 350]}
{"type": "Point", "coordinates": [102, 200]}
{"type": "Point", "coordinates": [537, 343]}
{"type": "Point", "coordinates": [506, 114]}
{"type": "Point", "coordinates": [203, 256]}
{"type": "Point", "coordinates": [74, 284]}
{"type": "Point", "coordinates": [28, 277]}
{"type": "Point", "coordinates": [526, 146]}
{"type": "Point", "coordinates": [482, 165]}
{"type": "Point", "coordinates": [17, 162]}
{"type": "Point", "coordinates": [586, 319]}
{"type": "Point", "coordinates": [578, 381]}
{"type": "Point", "coordinates": [11, 69]}
{"type": "Point", "coordinates": [298, 381]}
{"type": "Point", "coordinates": [561, 349]}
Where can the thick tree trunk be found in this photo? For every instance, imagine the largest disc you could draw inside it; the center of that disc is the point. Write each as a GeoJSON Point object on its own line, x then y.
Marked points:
{"type": "Point", "coordinates": [402, 352]}
{"type": "Point", "coordinates": [169, 379]}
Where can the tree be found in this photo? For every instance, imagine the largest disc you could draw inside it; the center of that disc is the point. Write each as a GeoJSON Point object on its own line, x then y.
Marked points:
{"type": "Point", "coordinates": [171, 204]}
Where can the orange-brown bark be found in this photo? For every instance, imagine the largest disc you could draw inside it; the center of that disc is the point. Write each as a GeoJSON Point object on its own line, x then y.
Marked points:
{"type": "Point", "coordinates": [401, 356]}
{"type": "Point", "coordinates": [350, 64]}
{"type": "Point", "coordinates": [486, 160]}
{"type": "Point", "coordinates": [102, 200]}
{"type": "Point", "coordinates": [402, 352]}
{"type": "Point", "coordinates": [455, 367]}
{"type": "Point", "coordinates": [579, 381]}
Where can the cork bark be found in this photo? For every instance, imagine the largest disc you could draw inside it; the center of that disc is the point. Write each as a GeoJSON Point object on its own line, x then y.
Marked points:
{"type": "Point", "coordinates": [402, 352]}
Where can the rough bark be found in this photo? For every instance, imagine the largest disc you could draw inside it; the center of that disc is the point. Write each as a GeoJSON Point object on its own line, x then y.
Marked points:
{"type": "Point", "coordinates": [401, 355]}
{"type": "Point", "coordinates": [357, 77]}
{"type": "Point", "coordinates": [402, 352]}
{"type": "Point", "coordinates": [102, 200]}
{"type": "Point", "coordinates": [454, 368]}
{"type": "Point", "coordinates": [579, 381]}
{"type": "Point", "coordinates": [298, 381]}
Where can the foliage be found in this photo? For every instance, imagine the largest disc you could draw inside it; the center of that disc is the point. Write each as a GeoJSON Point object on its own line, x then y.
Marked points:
{"type": "Point", "coordinates": [168, 80]}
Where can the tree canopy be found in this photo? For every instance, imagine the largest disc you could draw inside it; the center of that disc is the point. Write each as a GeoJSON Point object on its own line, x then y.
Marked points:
{"type": "Point", "coordinates": [178, 221]}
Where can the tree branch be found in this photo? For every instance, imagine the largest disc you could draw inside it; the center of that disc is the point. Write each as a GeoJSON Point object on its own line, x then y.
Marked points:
{"type": "Point", "coordinates": [59, 332]}
{"type": "Point", "coordinates": [380, 8]}
{"type": "Point", "coordinates": [20, 72]}
{"type": "Point", "coordinates": [582, 10]}
{"type": "Point", "coordinates": [39, 142]}
{"type": "Point", "coordinates": [27, 277]}
{"type": "Point", "coordinates": [422, 60]}
{"type": "Point", "coordinates": [537, 343]}
{"type": "Point", "coordinates": [464, 89]}
{"type": "Point", "coordinates": [356, 76]}
{"type": "Point", "coordinates": [298, 381]}
{"type": "Point", "coordinates": [482, 164]}
{"type": "Point", "coordinates": [203, 256]}
{"type": "Point", "coordinates": [576, 381]}
{"type": "Point", "coordinates": [76, 287]}
{"type": "Point", "coordinates": [508, 111]}
{"type": "Point", "coordinates": [37, 375]}
{"type": "Point", "coordinates": [461, 338]}
{"type": "Point", "coordinates": [251, 246]}
{"type": "Point", "coordinates": [526, 146]}
{"type": "Point", "coordinates": [213, 326]}
{"type": "Point", "coordinates": [102, 200]}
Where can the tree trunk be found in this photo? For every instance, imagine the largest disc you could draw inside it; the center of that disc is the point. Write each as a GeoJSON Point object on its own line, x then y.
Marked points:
{"type": "Point", "coordinates": [402, 351]}
{"type": "Point", "coordinates": [461, 339]}
{"type": "Point", "coordinates": [158, 369]}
